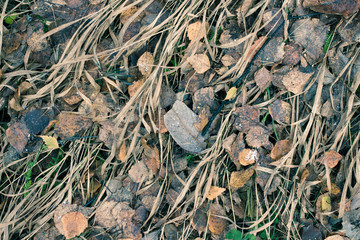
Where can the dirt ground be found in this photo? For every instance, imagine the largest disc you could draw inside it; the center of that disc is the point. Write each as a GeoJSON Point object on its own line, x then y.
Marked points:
{"type": "Point", "coordinates": [179, 119]}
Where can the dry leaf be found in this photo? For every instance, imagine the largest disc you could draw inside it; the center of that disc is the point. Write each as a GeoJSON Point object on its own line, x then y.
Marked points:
{"type": "Point", "coordinates": [339, 7]}
{"type": "Point", "coordinates": [145, 64]}
{"type": "Point", "coordinates": [228, 60]}
{"type": "Point", "coordinates": [323, 203]}
{"type": "Point", "coordinates": [139, 172]}
{"type": "Point", "coordinates": [200, 62]}
{"type": "Point", "coordinates": [292, 54]}
{"type": "Point", "coordinates": [248, 156]}
{"type": "Point", "coordinates": [50, 142]}
{"type": "Point", "coordinates": [330, 158]}
{"type": "Point", "coordinates": [74, 223]}
{"type": "Point", "coordinates": [280, 111]}
{"type": "Point", "coordinates": [15, 105]}
{"type": "Point", "coordinates": [214, 192]}
{"type": "Point", "coordinates": [17, 135]}
{"type": "Point", "coordinates": [199, 220]}
{"type": "Point", "coordinates": [203, 120]}
{"type": "Point", "coordinates": [295, 81]}
{"type": "Point", "coordinates": [263, 78]}
{"type": "Point", "coordinates": [122, 152]}
{"type": "Point", "coordinates": [152, 157]}
{"type": "Point", "coordinates": [335, 237]}
{"type": "Point", "coordinates": [257, 137]}
{"type": "Point", "coordinates": [255, 47]}
{"type": "Point", "coordinates": [227, 143]}
{"type": "Point", "coordinates": [69, 124]}
{"type": "Point", "coordinates": [239, 178]}
{"type": "Point", "coordinates": [231, 93]}
{"type": "Point", "coordinates": [24, 86]}
{"type": "Point", "coordinates": [217, 223]}
{"type": "Point", "coordinates": [195, 31]}
{"type": "Point", "coordinates": [280, 149]}
{"type": "Point", "coordinates": [246, 117]}
{"type": "Point", "coordinates": [132, 89]}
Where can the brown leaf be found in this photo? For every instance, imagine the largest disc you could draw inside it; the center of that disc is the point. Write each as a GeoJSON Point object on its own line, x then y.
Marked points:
{"type": "Point", "coordinates": [239, 178]}
{"type": "Point", "coordinates": [248, 156]}
{"type": "Point", "coordinates": [15, 105]}
{"type": "Point", "coordinates": [152, 157]}
{"type": "Point", "coordinates": [256, 47]}
{"type": "Point", "coordinates": [125, 15]}
{"type": "Point", "coordinates": [295, 81]}
{"type": "Point", "coordinates": [228, 60]}
{"type": "Point", "coordinates": [227, 143]}
{"type": "Point", "coordinates": [246, 117]}
{"type": "Point", "coordinates": [200, 62]}
{"type": "Point", "coordinates": [195, 31]}
{"type": "Point", "coordinates": [280, 111]}
{"type": "Point", "coordinates": [280, 149]}
{"type": "Point", "coordinates": [139, 172]}
{"type": "Point", "coordinates": [245, 7]}
{"type": "Point", "coordinates": [74, 223]}
{"type": "Point", "coordinates": [203, 121]}
{"type": "Point", "coordinates": [330, 158]}
{"type": "Point", "coordinates": [292, 54]}
{"type": "Point", "coordinates": [272, 53]}
{"type": "Point", "coordinates": [132, 89]}
{"type": "Point", "coordinates": [237, 146]}
{"type": "Point", "coordinates": [217, 223]}
{"type": "Point", "coordinates": [257, 137]}
{"type": "Point", "coordinates": [69, 124]}
{"type": "Point", "coordinates": [345, 8]}
{"type": "Point", "coordinates": [145, 64]}
{"type": "Point", "coordinates": [335, 237]}
{"type": "Point", "coordinates": [122, 152]}
{"type": "Point", "coordinates": [17, 135]}
{"type": "Point", "coordinates": [263, 78]}
{"type": "Point", "coordinates": [171, 197]}
{"type": "Point", "coordinates": [214, 192]}
{"type": "Point", "coordinates": [199, 220]}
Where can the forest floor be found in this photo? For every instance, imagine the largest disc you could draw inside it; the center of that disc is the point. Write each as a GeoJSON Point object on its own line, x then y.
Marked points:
{"type": "Point", "coordinates": [179, 119]}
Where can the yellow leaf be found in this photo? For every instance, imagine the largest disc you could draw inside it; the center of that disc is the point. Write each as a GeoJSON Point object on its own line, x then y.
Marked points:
{"type": "Point", "coordinates": [215, 192]}
{"type": "Point", "coordinates": [50, 142]}
{"type": "Point", "coordinates": [326, 204]}
{"type": "Point", "coordinates": [231, 93]}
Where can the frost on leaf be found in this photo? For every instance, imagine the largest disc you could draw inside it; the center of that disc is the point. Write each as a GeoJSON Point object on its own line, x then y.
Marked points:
{"type": "Point", "coordinates": [248, 156]}
{"type": "Point", "coordinates": [146, 63]}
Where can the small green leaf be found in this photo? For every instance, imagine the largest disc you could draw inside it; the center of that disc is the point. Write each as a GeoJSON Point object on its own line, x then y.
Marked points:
{"type": "Point", "coordinates": [10, 19]}
{"type": "Point", "coordinates": [234, 235]}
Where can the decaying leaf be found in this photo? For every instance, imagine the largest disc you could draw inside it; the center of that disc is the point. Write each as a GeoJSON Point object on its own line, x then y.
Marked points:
{"type": "Point", "coordinates": [330, 158]}
{"type": "Point", "coordinates": [335, 237]}
{"type": "Point", "coordinates": [17, 135]}
{"type": "Point", "coordinates": [200, 62]}
{"type": "Point", "coordinates": [239, 178]}
{"type": "Point", "coordinates": [214, 192]}
{"type": "Point", "coordinates": [217, 223]}
{"type": "Point", "coordinates": [345, 8]}
{"type": "Point", "coordinates": [69, 124]}
{"type": "Point", "coordinates": [263, 78]}
{"type": "Point", "coordinates": [236, 147]}
{"type": "Point", "coordinates": [199, 220]}
{"type": "Point", "coordinates": [15, 105]}
{"type": "Point", "coordinates": [203, 120]}
{"type": "Point", "coordinates": [248, 156]}
{"type": "Point", "coordinates": [36, 121]}
{"type": "Point", "coordinates": [323, 203]}
{"type": "Point", "coordinates": [228, 60]}
{"type": "Point", "coordinates": [272, 53]}
{"type": "Point", "coordinates": [145, 63]}
{"type": "Point", "coordinates": [152, 157]}
{"type": "Point", "coordinates": [246, 117]}
{"type": "Point", "coordinates": [180, 122]}
{"type": "Point", "coordinates": [280, 111]}
{"type": "Point", "coordinates": [132, 89]}
{"type": "Point", "coordinates": [227, 143]}
{"type": "Point", "coordinates": [295, 81]}
{"type": "Point", "coordinates": [195, 31]}
{"type": "Point", "coordinates": [74, 223]}
{"type": "Point", "coordinates": [280, 149]}
{"type": "Point", "coordinates": [257, 137]}
{"type": "Point", "coordinates": [231, 93]}
{"type": "Point", "coordinates": [122, 152]}
{"type": "Point", "coordinates": [292, 54]}
{"type": "Point", "coordinates": [50, 142]}
{"type": "Point", "coordinates": [139, 172]}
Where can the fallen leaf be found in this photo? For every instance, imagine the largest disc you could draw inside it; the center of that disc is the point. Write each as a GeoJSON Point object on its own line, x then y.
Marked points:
{"type": "Point", "coordinates": [237, 146]}
{"type": "Point", "coordinates": [199, 220]}
{"type": "Point", "coordinates": [132, 89]}
{"type": "Point", "coordinates": [323, 203]}
{"type": "Point", "coordinates": [122, 152]}
{"type": "Point", "coordinates": [217, 223]}
{"type": "Point", "coordinates": [274, 19]}
{"type": "Point", "coordinates": [125, 15]}
{"type": "Point", "coordinates": [204, 99]}
{"type": "Point", "coordinates": [345, 8]}
{"type": "Point", "coordinates": [15, 105]}
{"type": "Point", "coordinates": [248, 156]}
{"type": "Point", "coordinates": [36, 121]}
{"type": "Point", "coordinates": [69, 124]}
{"type": "Point", "coordinates": [335, 237]}
{"type": "Point", "coordinates": [295, 81]}
{"type": "Point", "coordinates": [152, 157]}
{"type": "Point", "coordinates": [180, 122]}
{"type": "Point", "coordinates": [200, 62]}
{"type": "Point", "coordinates": [255, 47]}
{"type": "Point", "coordinates": [139, 172]}
{"type": "Point", "coordinates": [214, 192]}
{"type": "Point", "coordinates": [239, 178]}
{"type": "Point", "coordinates": [195, 31]}
{"type": "Point", "coordinates": [203, 121]}
{"type": "Point", "coordinates": [263, 78]}
{"type": "Point", "coordinates": [231, 93]}
{"type": "Point", "coordinates": [246, 117]}
{"type": "Point", "coordinates": [280, 111]}
{"type": "Point", "coordinates": [245, 7]}
{"type": "Point", "coordinates": [272, 53]}
{"type": "Point", "coordinates": [292, 54]}
{"type": "Point", "coordinates": [145, 64]}
{"type": "Point", "coordinates": [330, 158]}
{"type": "Point", "coordinates": [228, 60]}
{"type": "Point", "coordinates": [335, 190]}
{"type": "Point", "coordinates": [280, 149]}
{"type": "Point", "coordinates": [50, 142]}
{"type": "Point", "coordinates": [257, 137]}
{"type": "Point", "coordinates": [227, 143]}
{"type": "Point", "coordinates": [17, 135]}
{"type": "Point", "coordinates": [171, 197]}
{"type": "Point", "coordinates": [74, 223]}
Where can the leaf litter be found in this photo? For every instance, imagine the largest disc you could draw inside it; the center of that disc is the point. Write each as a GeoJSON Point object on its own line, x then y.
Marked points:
{"type": "Point", "coordinates": [179, 119]}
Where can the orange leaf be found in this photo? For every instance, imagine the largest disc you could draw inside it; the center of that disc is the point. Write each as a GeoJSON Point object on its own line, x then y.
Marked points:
{"type": "Point", "coordinates": [122, 153]}
{"type": "Point", "coordinates": [331, 159]}
{"type": "Point", "coordinates": [215, 192]}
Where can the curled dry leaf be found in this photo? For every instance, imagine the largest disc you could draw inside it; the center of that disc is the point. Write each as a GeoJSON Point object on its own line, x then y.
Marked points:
{"type": "Point", "coordinates": [239, 178]}
{"type": "Point", "coordinates": [195, 31]}
{"type": "Point", "coordinates": [122, 152]}
{"type": "Point", "coordinates": [330, 158]}
{"type": "Point", "coordinates": [73, 223]}
{"type": "Point", "coordinates": [152, 157]}
{"type": "Point", "coordinates": [295, 81]}
{"type": "Point", "coordinates": [214, 192]}
{"type": "Point", "coordinates": [17, 135]}
{"type": "Point", "coordinates": [280, 111]}
{"type": "Point", "coordinates": [200, 62]}
{"type": "Point", "coordinates": [248, 156]}
{"type": "Point", "coordinates": [203, 120]}
{"type": "Point", "coordinates": [146, 63]}
{"type": "Point", "coordinates": [217, 223]}
{"type": "Point", "coordinates": [280, 149]}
